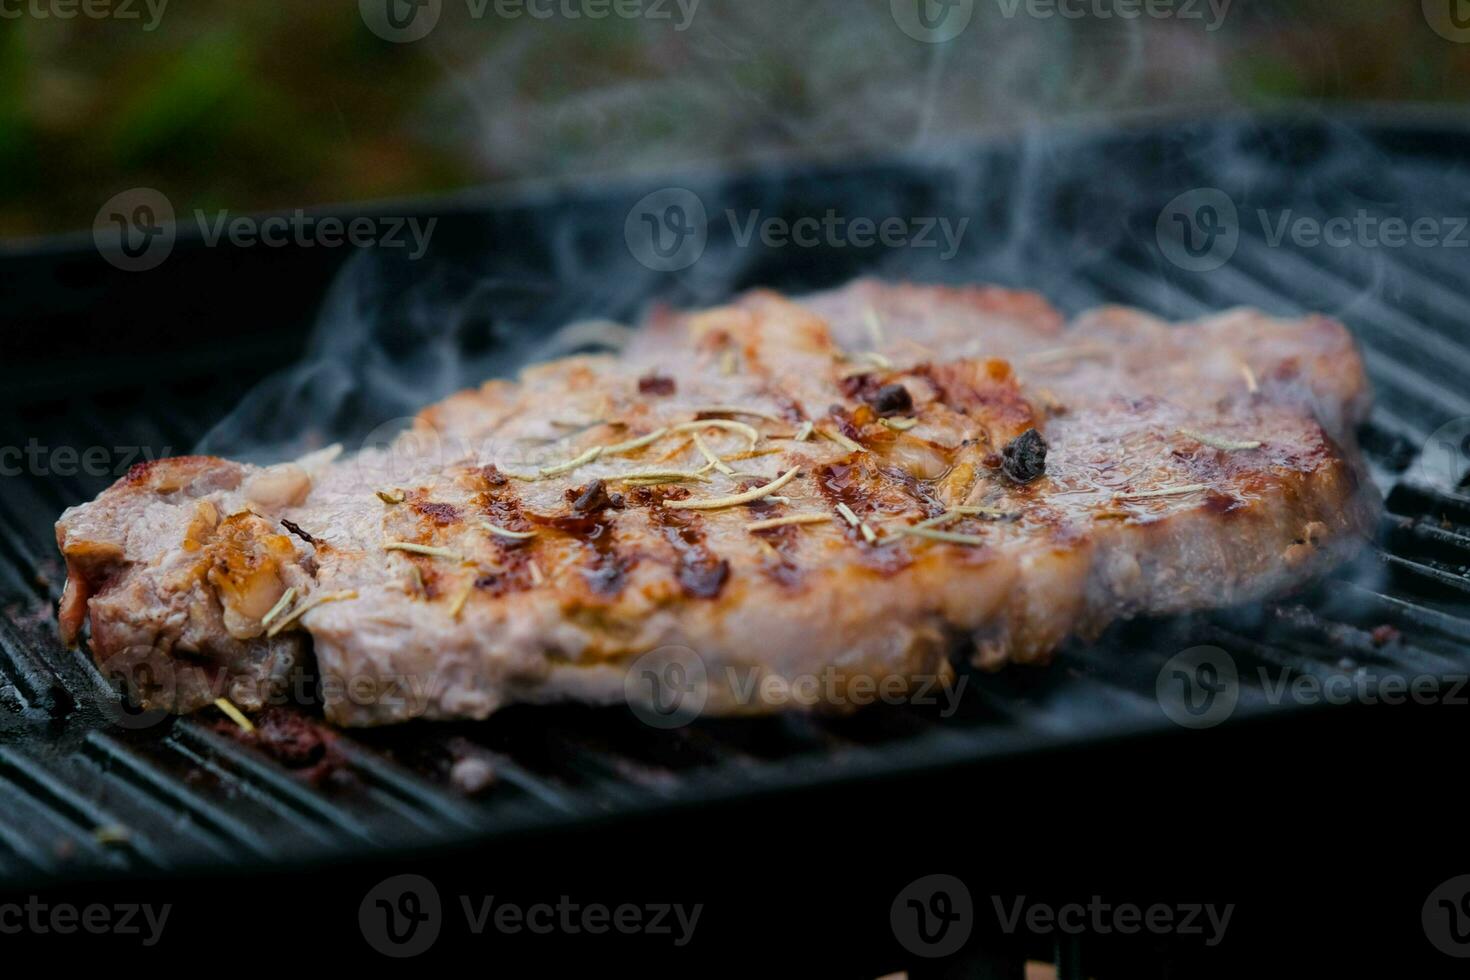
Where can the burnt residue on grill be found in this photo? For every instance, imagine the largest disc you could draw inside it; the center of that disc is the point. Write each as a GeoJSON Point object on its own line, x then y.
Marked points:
{"type": "Point", "coordinates": [298, 741]}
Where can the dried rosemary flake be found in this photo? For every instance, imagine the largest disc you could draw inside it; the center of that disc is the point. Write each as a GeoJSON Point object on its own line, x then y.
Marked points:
{"type": "Point", "coordinates": [571, 464]}
{"type": "Point", "coordinates": [788, 521]}
{"type": "Point", "coordinates": [754, 413]}
{"type": "Point", "coordinates": [234, 714]}
{"type": "Point", "coordinates": [899, 425]}
{"type": "Point", "coordinates": [116, 835]}
{"type": "Point", "coordinates": [875, 326]}
{"type": "Point", "coordinates": [396, 497]}
{"type": "Point", "coordinates": [282, 604]}
{"type": "Point", "coordinates": [805, 432]}
{"type": "Point", "coordinates": [307, 606]}
{"type": "Point", "coordinates": [651, 477]}
{"type": "Point", "coordinates": [749, 454]}
{"type": "Point", "coordinates": [841, 440]}
{"type": "Point", "coordinates": [868, 534]}
{"type": "Point", "coordinates": [877, 360]}
{"type": "Point", "coordinates": [502, 532]}
{"type": "Point", "coordinates": [618, 449]}
{"type": "Point", "coordinates": [1176, 491]}
{"type": "Point", "coordinates": [709, 455]}
{"type": "Point", "coordinates": [461, 598]}
{"type": "Point", "coordinates": [1220, 442]}
{"type": "Point", "coordinates": [729, 363]}
{"type": "Point", "coordinates": [1251, 384]}
{"type": "Point", "coordinates": [933, 534]}
{"type": "Point", "coordinates": [537, 577]}
{"type": "Point", "coordinates": [423, 549]}
{"type": "Point", "coordinates": [739, 498]}
{"type": "Point", "coordinates": [748, 431]}
{"type": "Point", "coordinates": [1065, 354]}
{"type": "Point", "coordinates": [848, 515]}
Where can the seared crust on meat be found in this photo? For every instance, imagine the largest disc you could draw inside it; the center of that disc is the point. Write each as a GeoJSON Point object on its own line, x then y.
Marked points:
{"type": "Point", "coordinates": [530, 540]}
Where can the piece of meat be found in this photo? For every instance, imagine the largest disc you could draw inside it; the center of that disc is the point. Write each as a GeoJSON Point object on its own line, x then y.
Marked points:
{"type": "Point", "coordinates": [1032, 481]}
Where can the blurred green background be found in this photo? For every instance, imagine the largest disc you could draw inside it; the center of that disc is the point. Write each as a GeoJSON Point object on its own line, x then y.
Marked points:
{"type": "Point", "coordinates": [260, 105]}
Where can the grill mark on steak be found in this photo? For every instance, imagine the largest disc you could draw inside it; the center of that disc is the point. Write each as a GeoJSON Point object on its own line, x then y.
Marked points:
{"type": "Point", "coordinates": [782, 567]}
{"type": "Point", "coordinates": [859, 487]}
{"type": "Point", "coordinates": [441, 514]}
{"type": "Point", "coordinates": [604, 567]}
{"type": "Point", "coordinates": [701, 573]}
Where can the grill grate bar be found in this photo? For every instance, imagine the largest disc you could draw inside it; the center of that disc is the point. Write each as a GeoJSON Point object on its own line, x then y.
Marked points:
{"type": "Point", "coordinates": [74, 818]}
{"type": "Point", "coordinates": [1428, 570]}
{"type": "Point", "coordinates": [287, 802]}
{"type": "Point", "coordinates": [214, 826]}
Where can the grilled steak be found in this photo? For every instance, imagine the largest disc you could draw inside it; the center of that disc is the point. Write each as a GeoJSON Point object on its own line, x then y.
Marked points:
{"type": "Point", "coordinates": [843, 490]}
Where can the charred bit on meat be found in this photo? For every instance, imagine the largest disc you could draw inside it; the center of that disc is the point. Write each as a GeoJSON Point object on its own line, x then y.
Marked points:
{"type": "Point", "coordinates": [295, 529]}
{"type": "Point", "coordinates": [1023, 459]}
{"type": "Point", "coordinates": [656, 384]}
{"type": "Point", "coordinates": [891, 399]}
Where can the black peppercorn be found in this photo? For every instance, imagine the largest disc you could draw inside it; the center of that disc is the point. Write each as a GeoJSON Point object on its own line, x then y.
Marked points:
{"type": "Point", "coordinates": [1024, 458]}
